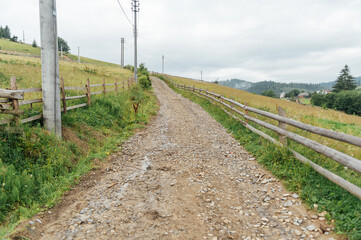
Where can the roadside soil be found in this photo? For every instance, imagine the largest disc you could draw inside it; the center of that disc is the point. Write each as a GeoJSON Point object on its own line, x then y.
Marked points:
{"type": "Point", "coordinates": [183, 177]}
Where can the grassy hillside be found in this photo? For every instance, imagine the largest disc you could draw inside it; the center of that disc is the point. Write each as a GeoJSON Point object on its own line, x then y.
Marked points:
{"type": "Point", "coordinates": [27, 70]}
{"type": "Point", "coordinates": [14, 48]}
{"type": "Point", "coordinates": [7, 45]}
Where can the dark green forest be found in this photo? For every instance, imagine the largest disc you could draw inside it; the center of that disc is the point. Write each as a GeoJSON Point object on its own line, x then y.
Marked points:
{"type": "Point", "coordinates": [278, 88]}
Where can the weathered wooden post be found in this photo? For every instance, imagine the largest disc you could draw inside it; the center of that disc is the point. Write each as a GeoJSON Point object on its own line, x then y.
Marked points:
{"type": "Point", "coordinates": [246, 110]}
{"type": "Point", "coordinates": [88, 94]}
{"type": "Point", "coordinates": [63, 96]}
{"type": "Point", "coordinates": [116, 85]}
{"type": "Point", "coordinates": [15, 101]}
{"type": "Point", "coordinates": [128, 82]}
{"type": "Point", "coordinates": [282, 113]}
{"type": "Point", "coordinates": [104, 89]}
{"type": "Point", "coordinates": [123, 85]}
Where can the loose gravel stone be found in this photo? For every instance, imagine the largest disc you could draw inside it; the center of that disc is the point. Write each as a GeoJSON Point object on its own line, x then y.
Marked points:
{"type": "Point", "coordinates": [310, 227]}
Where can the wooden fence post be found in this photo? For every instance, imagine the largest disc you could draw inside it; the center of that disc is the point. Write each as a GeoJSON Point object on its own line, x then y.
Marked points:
{"type": "Point", "coordinates": [282, 113]}
{"type": "Point", "coordinates": [15, 101]}
{"type": "Point", "coordinates": [104, 89]}
{"type": "Point", "coordinates": [246, 111]}
{"type": "Point", "coordinates": [128, 82]}
{"type": "Point", "coordinates": [88, 94]}
{"type": "Point", "coordinates": [63, 96]}
{"type": "Point", "coordinates": [116, 85]}
{"type": "Point", "coordinates": [123, 85]}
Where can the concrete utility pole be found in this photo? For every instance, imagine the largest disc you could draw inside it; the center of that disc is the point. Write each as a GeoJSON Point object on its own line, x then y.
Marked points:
{"type": "Point", "coordinates": [163, 64]}
{"type": "Point", "coordinates": [78, 54]}
{"type": "Point", "coordinates": [135, 8]}
{"type": "Point", "coordinates": [50, 66]}
{"type": "Point", "coordinates": [122, 54]}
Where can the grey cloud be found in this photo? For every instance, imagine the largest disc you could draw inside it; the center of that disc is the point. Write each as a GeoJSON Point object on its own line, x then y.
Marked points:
{"type": "Point", "coordinates": [308, 41]}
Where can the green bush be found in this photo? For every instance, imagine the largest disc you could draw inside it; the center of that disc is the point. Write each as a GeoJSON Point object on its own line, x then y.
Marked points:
{"type": "Point", "coordinates": [349, 102]}
{"type": "Point", "coordinates": [345, 101]}
{"type": "Point", "coordinates": [129, 67]}
{"type": "Point", "coordinates": [34, 44]}
{"type": "Point", "coordinates": [269, 93]}
{"type": "Point", "coordinates": [318, 100]}
{"type": "Point", "coordinates": [144, 79]}
{"type": "Point", "coordinates": [330, 100]}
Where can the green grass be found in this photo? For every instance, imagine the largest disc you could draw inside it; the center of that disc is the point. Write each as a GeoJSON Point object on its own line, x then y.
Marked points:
{"type": "Point", "coordinates": [306, 101]}
{"type": "Point", "coordinates": [7, 45]}
{"type": "Point", "coordinates": [27, 49]}
{"type": "Point", "coordinates": [36, 168]}
{"type": "Point", "coordinates": [313, 188]}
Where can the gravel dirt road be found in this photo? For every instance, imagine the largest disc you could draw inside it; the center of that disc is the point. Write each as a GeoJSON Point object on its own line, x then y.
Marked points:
{"type": "Point", "coordinates": [183, 177]}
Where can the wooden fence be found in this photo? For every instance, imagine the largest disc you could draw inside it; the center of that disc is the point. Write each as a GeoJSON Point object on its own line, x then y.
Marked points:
{"type": "Point", "coordinates": [342, 158]}
{"type": "Point", "coordinates": [12, 99]}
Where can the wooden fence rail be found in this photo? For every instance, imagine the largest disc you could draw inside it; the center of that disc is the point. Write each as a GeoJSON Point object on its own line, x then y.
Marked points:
{"type": "Point", "coordinates": [340, 157]}
{"type": "Point", "coordinates": [9, 99]}
{"type": "Point", "coordinates": [317, 130]}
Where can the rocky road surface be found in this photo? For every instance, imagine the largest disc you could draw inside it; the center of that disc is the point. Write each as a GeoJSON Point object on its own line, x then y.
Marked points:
{"type": "Point", "coordinates": [183, 177]}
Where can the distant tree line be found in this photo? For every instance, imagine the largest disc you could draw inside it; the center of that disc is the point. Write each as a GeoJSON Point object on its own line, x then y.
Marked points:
{"type": "Point", "coordinates": [277, 88]}
{"type": "Point", "coordinates": [344, 97]}
{"type": "Point", "coordinates": [269, 93]}
{"type": "Point", "coordinates": [293, 93]}
{"type": "Point", "coordinates": [5, 33]}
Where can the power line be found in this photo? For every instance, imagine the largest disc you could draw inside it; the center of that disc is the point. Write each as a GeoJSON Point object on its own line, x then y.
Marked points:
{"type": "Point", "coordinates": [124, 12]}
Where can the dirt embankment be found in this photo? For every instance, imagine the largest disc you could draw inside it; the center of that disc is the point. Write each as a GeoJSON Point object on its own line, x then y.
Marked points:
{"type": "Point", "coordinates": [183, 177]}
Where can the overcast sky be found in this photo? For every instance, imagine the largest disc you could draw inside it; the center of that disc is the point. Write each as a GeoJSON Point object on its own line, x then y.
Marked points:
{"type": "Point", "coordinates": [256, 40]}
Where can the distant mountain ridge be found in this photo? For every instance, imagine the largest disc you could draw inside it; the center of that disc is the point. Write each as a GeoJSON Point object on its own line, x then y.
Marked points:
{"type": "Point", "coordinates": [278, 88]}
